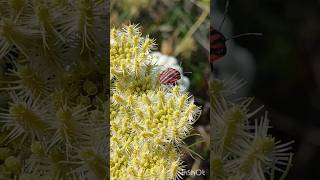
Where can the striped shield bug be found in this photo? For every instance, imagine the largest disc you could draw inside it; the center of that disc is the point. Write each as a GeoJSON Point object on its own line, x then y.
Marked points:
{"type": "Point", "coordinates": [218, 47]}
{"type": "Point", "coordinates": [169, 76]}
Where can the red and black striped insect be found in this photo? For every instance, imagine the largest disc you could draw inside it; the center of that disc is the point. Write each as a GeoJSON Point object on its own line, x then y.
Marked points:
{"type": "Point", "coordinates": [169, 76]}
{"type": "Point", "coordinates": [218, 47]}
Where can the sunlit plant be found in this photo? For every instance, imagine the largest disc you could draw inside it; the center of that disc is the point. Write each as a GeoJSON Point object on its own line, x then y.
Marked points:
{"type": "Point", "coordinates": [149, 120]}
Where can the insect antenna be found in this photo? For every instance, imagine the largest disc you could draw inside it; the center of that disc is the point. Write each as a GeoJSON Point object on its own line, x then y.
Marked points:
{"type": "Point", "coordinates": [226, 8]}
{"type": "Point", "coordinates": [188, 72]}
{"type": "Point", "coordinates": [243, 35]}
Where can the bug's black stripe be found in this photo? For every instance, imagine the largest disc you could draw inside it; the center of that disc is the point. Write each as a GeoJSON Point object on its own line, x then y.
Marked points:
{"type": "Point", "coordinates": [169, 76]}
{"type": "Point", "coordinates": [220, 52]}
{"type": "Point", "coordinates": [220, 40]}
{"type": "Point", "coordinates": [218, 49]}
{"type": "Point", "coordinates": [216, 36]}
{"type": "Point", "coordinates": [217, 45]}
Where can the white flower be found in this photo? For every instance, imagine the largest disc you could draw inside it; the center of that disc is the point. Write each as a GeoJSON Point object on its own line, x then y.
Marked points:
{"type": "Point", "coordinates": [166, 62]}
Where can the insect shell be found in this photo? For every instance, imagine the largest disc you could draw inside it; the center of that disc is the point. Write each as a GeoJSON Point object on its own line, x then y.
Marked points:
{"type": "Point", "coordinates": [217, 45]}
{"type": "Point", "coordinates": [169, 76]}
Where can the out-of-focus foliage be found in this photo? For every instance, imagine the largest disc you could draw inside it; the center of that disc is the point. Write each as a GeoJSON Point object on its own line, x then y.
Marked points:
{"type": "Point", "coordinates": [53, 114]}
{"type": "Point", "coordinates": [287, 78]}
{"type": "Point", "coordinates": [241, 146]}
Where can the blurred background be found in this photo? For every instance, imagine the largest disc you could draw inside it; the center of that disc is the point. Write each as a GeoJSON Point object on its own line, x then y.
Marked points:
{"type": "Point", "coordinates": [282, 68]}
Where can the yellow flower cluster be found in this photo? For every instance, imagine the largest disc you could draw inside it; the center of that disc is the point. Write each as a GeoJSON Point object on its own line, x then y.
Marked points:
{"type": "Point", "coordinates": [149, 120]}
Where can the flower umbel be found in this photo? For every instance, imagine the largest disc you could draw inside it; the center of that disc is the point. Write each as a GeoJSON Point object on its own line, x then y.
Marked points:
{"type": "Point", "coordinates": [149, 120]}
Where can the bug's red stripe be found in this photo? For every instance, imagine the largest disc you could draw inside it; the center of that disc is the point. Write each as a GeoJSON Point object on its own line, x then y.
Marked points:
{"type": "Point", "coordinates": [171, 80]}
{"type": "Point", "coordinates": [214, 57]}
{"type": "Point", "coordinates": [216, 37]}
{"type": "Point", "coordinates": [169, 76]}
{"type": "Point", "coordinates": [172, 77]}
{"type": "Point", "coordinates": [217, 42]}
{"type": "Point", "coordinates": [218, 46]}
{"type": "Point", "coordinates": [166, 74]}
